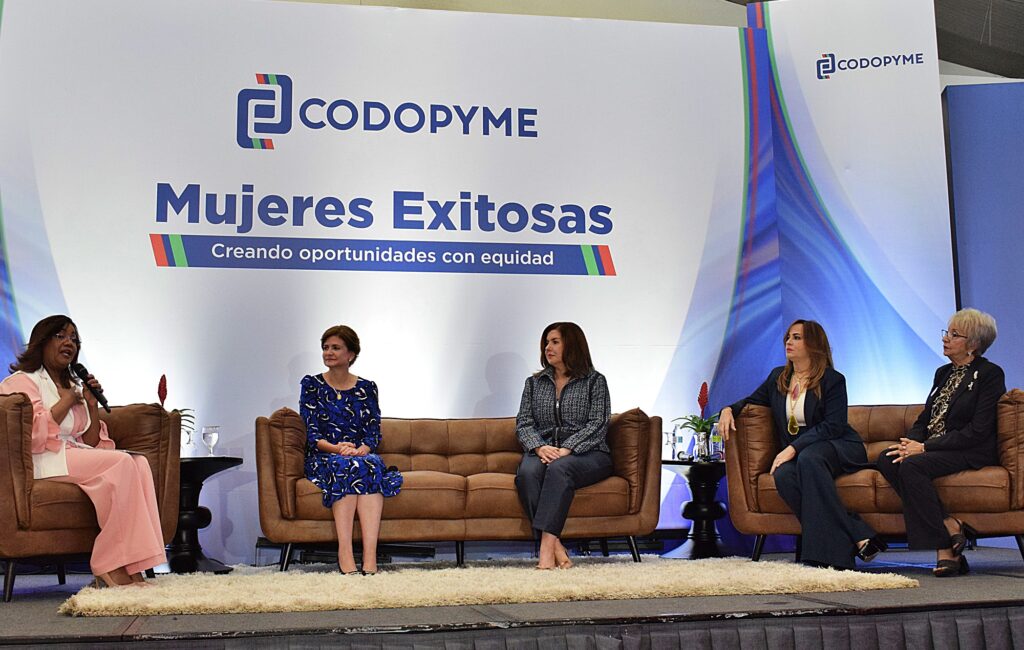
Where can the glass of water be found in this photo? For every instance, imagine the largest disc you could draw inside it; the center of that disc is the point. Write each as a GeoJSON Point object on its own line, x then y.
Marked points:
{"type": "Point", "coordinates": [211, 434]}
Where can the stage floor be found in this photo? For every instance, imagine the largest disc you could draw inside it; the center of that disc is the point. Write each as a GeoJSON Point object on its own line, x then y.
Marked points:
{"type": "Point", "coordinates": [995, 584]}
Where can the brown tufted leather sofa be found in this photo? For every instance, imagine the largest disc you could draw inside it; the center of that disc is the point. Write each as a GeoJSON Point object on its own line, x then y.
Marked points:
{"type": "Point", "coordinates": [990, 499]}
{"type": "Point", "coordinates": [46, 519]}
{"type": "Point", "coordinates": [458, 483]}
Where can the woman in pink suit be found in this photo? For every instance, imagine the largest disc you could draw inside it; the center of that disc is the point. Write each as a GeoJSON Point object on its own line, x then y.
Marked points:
{"type": "Point", "coordinates": [71, 445]}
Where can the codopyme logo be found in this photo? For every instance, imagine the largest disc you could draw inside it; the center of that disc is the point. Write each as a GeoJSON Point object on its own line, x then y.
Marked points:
{"type": "Point", "coordinates": [829, 63]}
{"type": "Point", "coordinates": [267, 110]}
{"type": "Point", "coordinates": [264, 111]}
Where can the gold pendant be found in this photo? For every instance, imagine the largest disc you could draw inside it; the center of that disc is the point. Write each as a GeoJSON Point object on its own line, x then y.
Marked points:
{"type": "Point", "coordinates": [793, 428]}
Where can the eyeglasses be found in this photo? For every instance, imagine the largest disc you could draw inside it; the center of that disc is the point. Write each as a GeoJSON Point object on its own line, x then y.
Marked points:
{"type": "Point", "coordinates": [952, 335]}
{"type": "Point", "coordinates": [61, 336]}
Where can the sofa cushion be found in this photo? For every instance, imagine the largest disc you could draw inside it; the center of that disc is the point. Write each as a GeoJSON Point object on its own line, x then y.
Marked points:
{"type": "Point", "coordinates": [57, 506]}
{"type": "Point", "coordinates": [492, 494]}
{"type": "Point", "coordinates": [856, 491]}
{"type": "Point", "coordinates": [424, 495]}
{"type": "Point", "coordinates": [608, 498]}
{"type": "Point", "coordinates": [981, 490]}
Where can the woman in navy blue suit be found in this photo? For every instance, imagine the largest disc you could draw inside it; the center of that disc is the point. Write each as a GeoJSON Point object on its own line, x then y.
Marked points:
{"type": "Point", "coordinates": [955, 431]}
{"type": "Point", "coordinates": [808, 401]}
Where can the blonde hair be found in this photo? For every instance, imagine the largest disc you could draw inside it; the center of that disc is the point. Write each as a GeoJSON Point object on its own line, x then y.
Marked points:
{"type": "Point", "coordinates": [977, 326]}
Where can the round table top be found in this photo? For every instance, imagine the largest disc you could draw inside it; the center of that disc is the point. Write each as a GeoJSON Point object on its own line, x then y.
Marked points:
{"type": "Point", "coordinates": [199, 468]}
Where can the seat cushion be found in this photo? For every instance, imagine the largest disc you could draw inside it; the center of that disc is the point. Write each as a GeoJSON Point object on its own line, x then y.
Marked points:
{"type": "Point", "coordinates": [57, 506]}
{"type": "Point", "coordinates": [979, 490]}
{"type": "Point", "coordinates": [608, 498]}
{"type": "Point", "coordinates": [856, 491]}
{"type": "Point", "coordinates": [492, 494]}
{"type": "Point", "coordinates": [982, 490]}
{"type": "Point", "coordinates": [425, 495]}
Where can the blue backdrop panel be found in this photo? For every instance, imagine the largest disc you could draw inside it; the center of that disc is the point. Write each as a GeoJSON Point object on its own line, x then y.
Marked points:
{"type": "Point", "coordinates": [986, 151]}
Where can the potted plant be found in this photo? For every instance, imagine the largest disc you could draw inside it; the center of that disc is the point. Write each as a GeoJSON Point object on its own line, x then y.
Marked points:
{"type": "Point", "coordinates": [188, 416]}
{"type": "Point", "coordinates": [700, 425]}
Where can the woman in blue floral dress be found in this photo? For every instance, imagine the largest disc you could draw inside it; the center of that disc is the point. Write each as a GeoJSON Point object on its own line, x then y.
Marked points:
{"type": "Point", "coordinates": [342, 418]}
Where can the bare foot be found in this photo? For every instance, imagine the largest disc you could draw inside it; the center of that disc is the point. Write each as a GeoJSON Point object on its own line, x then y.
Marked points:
{"type": "Point", "coordinates": [139, 581]}
{"type": "Point", "coordinates": [562, 556]}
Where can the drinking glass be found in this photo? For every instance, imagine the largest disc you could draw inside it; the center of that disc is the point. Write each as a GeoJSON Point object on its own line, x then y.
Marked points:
{"type": "Point", "coordinates": [211, 434]}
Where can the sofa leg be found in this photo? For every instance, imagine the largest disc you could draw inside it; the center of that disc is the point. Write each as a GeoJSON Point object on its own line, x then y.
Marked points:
{"type": "Point", "coordinates": [758, 547]}
{"type": "Point", "coordinates": [460, 554]}
{"type": "Point", "coordinates": [9, 581]}
{"type": "Point", "coordinates": [1020, 544]}
{"type": "Point", "coordinates": [604, 546]}
{"type": "Point", "coordinates": [62, 574]}
{"type": "Point", "coordinates": [632, 548]}
{"type": "Point", "coordinates": [286, 557]}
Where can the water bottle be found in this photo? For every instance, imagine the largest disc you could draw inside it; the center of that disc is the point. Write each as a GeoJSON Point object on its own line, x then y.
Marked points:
{"type": "Point", "coordinates": [717, 445]}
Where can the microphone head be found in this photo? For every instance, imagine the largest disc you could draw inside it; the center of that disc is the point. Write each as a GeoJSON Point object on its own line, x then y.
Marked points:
{"type": "Point", "coordinates": [80, 370]}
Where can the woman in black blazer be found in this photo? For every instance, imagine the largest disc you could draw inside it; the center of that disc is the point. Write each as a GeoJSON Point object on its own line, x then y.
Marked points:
{"type": "Point", "coordinates": [955, 431]}
{"type": "Point", "coordinates": [808, 400]}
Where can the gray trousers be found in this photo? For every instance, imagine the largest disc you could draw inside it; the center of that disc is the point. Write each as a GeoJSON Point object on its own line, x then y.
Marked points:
{"type": "Point", "coordinates": [808, 486]}
{"type": "Point", "coordinates": [546, 491]}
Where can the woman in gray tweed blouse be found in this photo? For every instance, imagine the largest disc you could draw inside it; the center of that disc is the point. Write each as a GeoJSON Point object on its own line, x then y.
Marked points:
{"type": "Point", "coordinates": [562, 424]}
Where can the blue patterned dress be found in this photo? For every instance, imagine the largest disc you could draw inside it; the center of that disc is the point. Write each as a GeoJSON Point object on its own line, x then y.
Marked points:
{"type": "Point", "coordinates": [351, 415]}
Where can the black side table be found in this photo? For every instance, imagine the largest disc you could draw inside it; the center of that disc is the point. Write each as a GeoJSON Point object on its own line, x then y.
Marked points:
{"type": "Point", "coordinates": [703, 510]}
{"type": "Point", "coordinates": [185, 553]}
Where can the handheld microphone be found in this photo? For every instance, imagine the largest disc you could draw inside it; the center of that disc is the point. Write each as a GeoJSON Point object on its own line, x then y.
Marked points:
{"type": "Point", "coordinates": [83, 374]}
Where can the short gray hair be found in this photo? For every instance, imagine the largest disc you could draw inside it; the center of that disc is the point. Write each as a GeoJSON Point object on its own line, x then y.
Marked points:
{"type": "Point", "coordinates": [977, 326]}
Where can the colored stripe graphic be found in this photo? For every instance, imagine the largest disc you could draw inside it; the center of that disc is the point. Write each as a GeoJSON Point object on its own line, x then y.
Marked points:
{"type": "Point", "coordinates": [606, 260]}
{"type": "Point", "coordinates": [178, 250]}
{"type": "Point", "coordinates": [158, 249]}
{"type": "Point", "coordinates": [588, 259]}
{"type": "Point", "coordinates": [598, 259]}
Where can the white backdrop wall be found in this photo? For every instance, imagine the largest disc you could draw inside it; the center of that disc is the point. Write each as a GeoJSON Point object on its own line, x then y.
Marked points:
{"type": "Point", "coordinates": [115, 120]}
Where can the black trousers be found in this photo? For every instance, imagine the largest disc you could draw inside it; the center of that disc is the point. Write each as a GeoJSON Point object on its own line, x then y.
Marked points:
{"type": "Point", "coordinates": [807, 484]}
{"type": "Point", "coordinates": [546, 491]}
{"type": "Point", "coordinates": [923, 512]}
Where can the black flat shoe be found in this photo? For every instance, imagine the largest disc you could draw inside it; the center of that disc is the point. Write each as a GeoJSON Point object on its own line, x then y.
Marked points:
{"type": "Point", "coordinates": [870, 551]}
{"type": "Point", "coordinates": [965, 539]}
{"type": "Point", "coordinates": [949, 568]}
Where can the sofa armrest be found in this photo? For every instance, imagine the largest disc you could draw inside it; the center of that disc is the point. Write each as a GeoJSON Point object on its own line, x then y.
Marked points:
{"type": "Point", "coordinates": [1010, 436]}
{"type": "Point", "coordinates": [16, 466]}
{"type": "Point", "coordinates": [281, 456]}
{"type": "Point", "coordinates": [628, 435]}
{"type": "Point", "coordinates": [748, 454]}
{"type": "Point", "coordinates": [150, 430]}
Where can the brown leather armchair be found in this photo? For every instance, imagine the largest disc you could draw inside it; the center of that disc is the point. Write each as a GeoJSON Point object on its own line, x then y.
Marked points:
{"type": "Point", "coordinates": [49, 520]}
{"type": "Point", "coordinates": [459, 483]}
{"type": "Point", "coordinates": [991, 499]}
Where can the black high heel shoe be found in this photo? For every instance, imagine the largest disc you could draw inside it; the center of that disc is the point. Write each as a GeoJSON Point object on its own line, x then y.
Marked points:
{"type": "Point", "coordinates": [949, 568]}
{"type": "Point", "coordinates": [965, 539]}
{"type": "Point", "coordinates": [870, 551]}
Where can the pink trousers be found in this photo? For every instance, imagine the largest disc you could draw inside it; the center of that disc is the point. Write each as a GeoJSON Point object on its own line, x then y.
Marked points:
{"type": "Point", "coordinates": [120, 486]}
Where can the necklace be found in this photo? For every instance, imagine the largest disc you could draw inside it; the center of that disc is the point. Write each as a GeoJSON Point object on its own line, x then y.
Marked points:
{"type": "Point", "coordinates": [337, 391]}
{"type": "Point", "coordinates": [793, 396]}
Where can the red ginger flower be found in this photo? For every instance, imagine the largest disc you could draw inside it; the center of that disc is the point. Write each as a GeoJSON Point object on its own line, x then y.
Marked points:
{"type": "Point", "coordinates": [702, 398]}
{"type": "Point", "coordinates": [161, 389]}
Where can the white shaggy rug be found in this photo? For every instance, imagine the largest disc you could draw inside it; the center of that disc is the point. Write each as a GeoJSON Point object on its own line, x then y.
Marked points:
{"type": "Point", "coordinates": [264, 589]}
